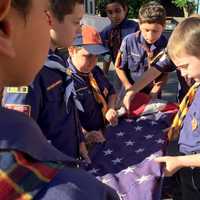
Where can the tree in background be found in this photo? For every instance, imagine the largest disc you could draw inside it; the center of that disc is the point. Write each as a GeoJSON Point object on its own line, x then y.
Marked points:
{"type": "Point", "coordinates": [133, 6]}
{"type": "Point", "coordinates": [188, 6]}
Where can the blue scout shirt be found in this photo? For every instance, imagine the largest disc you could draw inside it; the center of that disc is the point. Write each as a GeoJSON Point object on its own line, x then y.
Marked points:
{"type": "Point", "coordinates": [21, 134]}
{"type": "Point", "coordinates": [126, 27]}
{"type": "Point", "coordinates": [92, 117]}
{"type": "Point", "coordinates": [165, 64]}
{"type": "Point", "coordinates": [134, 59]}
{"type": "Point", "coordinates": [47, 101]}
{"type": "Point", "coordinates": [189, 140]}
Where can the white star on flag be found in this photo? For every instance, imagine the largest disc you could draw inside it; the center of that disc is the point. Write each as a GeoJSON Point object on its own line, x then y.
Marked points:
{"type": "Point", "coordinates": [105, 181]}
{"type": "Point", "coordinates": [139, 150]}
{"type": "Point", "coordinates": [107, 152]}
{"type": "Point", "coordinates": [147, 137]}
{"type": "Point", "coordinates": [121, 196]}
{"type": "Point", "coordinates": [143, 179]}
{"type": "Point", "coordinates": [120, 134]}
{"type": "Point", "coordinates": [160, 141]}
{"type": "Point", "coordinates": [138, 128]}
{"type": "Point", "coordinates": [117, 160]}
{"type": "Point", "coordinates": [93, 171]}
{"type": "Point", "coordinates": [129, 120]}
{"type": "Point", "coordinates": [129, 143]}
{"type": "Point", "coordinates": [129, 170]}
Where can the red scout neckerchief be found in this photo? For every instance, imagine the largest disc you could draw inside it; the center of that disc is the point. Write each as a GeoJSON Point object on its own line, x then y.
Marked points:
{"type": "Point", "coordinates": [183, 109]}
{"type": "Point", "coordinates": [25, 177]}
{"type": "Point", "coordinates": [115, 40]}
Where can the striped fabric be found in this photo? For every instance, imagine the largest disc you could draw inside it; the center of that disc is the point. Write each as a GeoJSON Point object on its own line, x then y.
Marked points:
{"type": "Point", "coordinates": [183, 108]}
{"type": "Point", "coordinates": [97, 94]}
{"type": "Point", "coordinates": [21, 177]}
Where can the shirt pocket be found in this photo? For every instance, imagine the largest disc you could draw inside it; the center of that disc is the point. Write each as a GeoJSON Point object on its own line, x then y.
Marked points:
{"type": "Point", "coordinates": [55, 92]}
{"type": "Point", "coordinates": [134, 61]}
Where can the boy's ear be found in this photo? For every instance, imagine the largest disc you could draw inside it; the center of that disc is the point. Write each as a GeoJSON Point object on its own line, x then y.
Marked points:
{"type": "Point", "coordinates": [6, 47]}
{"type": "Point", "coordinates": [49, 17]}
{"type": "Point", "coordinates": [4, 8]}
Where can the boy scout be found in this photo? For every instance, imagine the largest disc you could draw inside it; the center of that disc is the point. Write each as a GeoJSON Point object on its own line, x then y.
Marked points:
{"type": "Point", "coordinates": [138, 49]}
{"type": "Point", "coordinates": [50, 99]}
{"type": "Point", "coordinates": [94, 91]}
{"type": "Point", "coordinates": [24, 151]}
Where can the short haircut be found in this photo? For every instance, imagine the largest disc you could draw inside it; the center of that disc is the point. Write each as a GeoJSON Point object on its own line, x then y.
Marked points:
{"type": "Point", "coordinates": [185, 38]}
{"type": "Point", "coordinates": [60, 8]}
{"type": "Point", "coordinates": [152, 12]}
{"type": "Point", "coordinates": [22, 6]}
{"type": "Point", "coordinates": [123, 3]}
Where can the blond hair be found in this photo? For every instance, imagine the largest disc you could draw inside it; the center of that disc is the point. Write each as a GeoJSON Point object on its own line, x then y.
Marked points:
{"type": "Point", "coordinates": [185, 38]}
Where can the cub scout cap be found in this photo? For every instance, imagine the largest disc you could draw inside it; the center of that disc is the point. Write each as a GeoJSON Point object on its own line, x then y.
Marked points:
{"type": "Point", "coordinates": [90, 40]}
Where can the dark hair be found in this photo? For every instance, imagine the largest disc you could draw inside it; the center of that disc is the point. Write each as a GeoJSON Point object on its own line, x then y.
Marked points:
{"type": "Point", "coordinates": [152, 12]}
{"type": "Point", "coordinates": [123, 3]}
{"type": "Point", "coordinates": [22, 6]}
{"type": "Point", "coordinates": [60, 8]}
{"type": "Point", "coordinates": [185, 38]}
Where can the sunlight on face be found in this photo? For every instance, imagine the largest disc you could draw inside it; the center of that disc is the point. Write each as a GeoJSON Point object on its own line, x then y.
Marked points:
{"type": "Point", "coordinates": [188, 65]}
{"type": "Point", "coordinates": [151, 32]}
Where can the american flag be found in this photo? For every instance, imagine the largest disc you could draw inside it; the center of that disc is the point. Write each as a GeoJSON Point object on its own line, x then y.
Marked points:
{"type": "Point", "coordinates": [126, 160]}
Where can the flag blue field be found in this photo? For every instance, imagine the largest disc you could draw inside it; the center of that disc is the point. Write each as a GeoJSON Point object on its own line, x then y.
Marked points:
{"type": "Point", "coordinates": [126, 160]}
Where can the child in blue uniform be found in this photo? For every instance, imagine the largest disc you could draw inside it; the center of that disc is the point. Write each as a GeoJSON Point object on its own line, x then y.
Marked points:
{"type": "Point", "coordinates": [93, 90]}
{"type": "Point", "coordinates": [112, 35]}
{"type": "Point", "coordinates": [139, 49]}
{"type": "Point", "coordinates": [184, 52]}
{"type": "Point", "coordinates": [162, 64]}
{"type": "Point", "coordinates": [30, 167]}
{"type": "Point", "coordinates": [50, 99]}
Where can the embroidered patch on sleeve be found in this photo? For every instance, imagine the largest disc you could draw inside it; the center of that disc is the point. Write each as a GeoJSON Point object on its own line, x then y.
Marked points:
{"type": "Point", "coordinates": [26, 109]}
{"type": "Point", "coordinates": [17, 90]}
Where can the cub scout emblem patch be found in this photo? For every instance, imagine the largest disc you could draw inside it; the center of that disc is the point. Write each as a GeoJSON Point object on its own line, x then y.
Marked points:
{"type": "Point", "coordinates": [26, 109]}
{"type": "Point", "coordinates": [17, 90]}
{"type": "Point", "coordinates": [68, 72]}
{"type": "Point", "coordinates": [105, 92]}
{"type": "Point", "coordinates": [194, 124]}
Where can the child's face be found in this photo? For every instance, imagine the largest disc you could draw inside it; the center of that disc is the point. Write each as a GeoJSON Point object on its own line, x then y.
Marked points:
{"type": "Point", "coordinates": [83, 60]}
{"type": "Point", "coordinates": [151, 32]}
{"type": "Point", "coordinates": [116, 13]}
{"type": "Point", "coordinates": [188, 65]}
{"type": "Point", "coordinates": [29, 43]}
{"type": "Point", "coordinates": [63, 33]}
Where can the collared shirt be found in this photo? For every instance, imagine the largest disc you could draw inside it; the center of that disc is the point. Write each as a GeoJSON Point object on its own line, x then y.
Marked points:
{"type": "Point", "coordinates": [29, 167]}
{"type": "Point", "coordinates": [44, 100]}
{"type": "Point", "coordinates": [126, 27]}
{"type": "Point", "coordinates": [134, 59]}
{"type": "Point", "coordinates": [189, 140]}
{"type": "Point", "coordinates": [92, 117]}
{"type": "Point", "coordinates": [164, 64]}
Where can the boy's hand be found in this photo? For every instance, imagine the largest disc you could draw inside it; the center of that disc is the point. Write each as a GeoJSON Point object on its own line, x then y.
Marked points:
{"type": "Point", "coordinates": [111, 116]}
{"type": "Point", "coordinates": [153, 95]}
{"type": "Point", "coordinates": [84, 152]}
{"type": "Point", "coordinates": [95, 137]}
{"type": "Point", "coordinates": [172, 164]}
{"type": "Point", "coordinates": [128, 98]}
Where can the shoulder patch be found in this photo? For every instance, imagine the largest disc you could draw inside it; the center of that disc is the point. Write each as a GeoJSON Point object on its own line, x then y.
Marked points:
{"type": "Point", "coordinates": [26, 109]}
{"type": "Point", "coordinates": [17, 90]}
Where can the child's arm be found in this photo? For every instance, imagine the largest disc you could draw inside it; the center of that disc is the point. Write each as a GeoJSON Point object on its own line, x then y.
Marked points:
{"type": "Point", "coordinates": [158, 85]}
{"type": "Point", "coordinates": [111, 114]}
{"type": "Point", "coordinates": [164, 64]}
{"type": "Point", "coordinates": [145, 79]}
{"type": "Point", "coordinates": [120, 72]}
{"type": "Point", "coordinates": [174, 163]}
